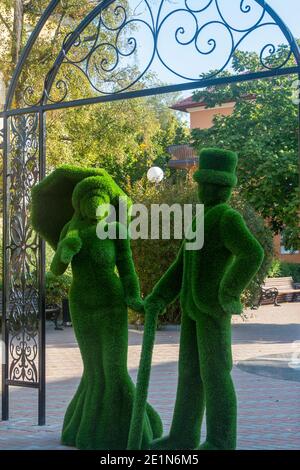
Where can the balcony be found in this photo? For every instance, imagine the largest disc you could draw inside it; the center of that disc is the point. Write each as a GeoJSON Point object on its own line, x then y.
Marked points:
{"type": "Point", "coordinates": [183, 157]}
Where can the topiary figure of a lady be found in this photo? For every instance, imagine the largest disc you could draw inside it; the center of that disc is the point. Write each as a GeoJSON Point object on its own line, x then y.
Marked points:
{"type": "Point", "coordinates": [64, 212]}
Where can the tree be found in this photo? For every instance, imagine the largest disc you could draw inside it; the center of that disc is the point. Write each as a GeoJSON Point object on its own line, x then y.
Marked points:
{"type": "Point", "coordinates": [263, 129]}
{"type": "Point", "coordinates": [125, 137]}
{"type": "Point", "coordinates": [17, 20]}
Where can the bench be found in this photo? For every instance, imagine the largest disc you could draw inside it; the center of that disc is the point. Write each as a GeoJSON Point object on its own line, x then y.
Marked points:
{"type": "Point", "coordinates": [277, 289]}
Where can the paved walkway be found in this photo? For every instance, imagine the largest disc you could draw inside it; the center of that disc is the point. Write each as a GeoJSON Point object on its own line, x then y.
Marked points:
{"type": "Point", "coordinates": [265, 374]}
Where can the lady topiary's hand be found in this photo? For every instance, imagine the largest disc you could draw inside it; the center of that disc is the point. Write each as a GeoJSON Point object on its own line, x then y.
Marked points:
{"type": "Point", "coordinates": [231, 304]}
{"type": "Point", "coordinates": [154, 305]}
{"type": "Point", "coordinates": [68, 248]}
{"type": "Point", "coordinates": [136, 304]}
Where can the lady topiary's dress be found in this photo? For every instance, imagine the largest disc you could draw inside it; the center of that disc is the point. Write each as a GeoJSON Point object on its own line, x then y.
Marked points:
{"type": "Point", "coordinates": [104, 285]}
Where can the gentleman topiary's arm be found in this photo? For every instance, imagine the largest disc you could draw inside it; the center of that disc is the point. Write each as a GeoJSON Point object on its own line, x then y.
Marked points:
{"type": "Point", "coordinates": [127, 271]}
{"type": "Point", "coordinates": [168, 287]}
{"type": "Point", "coordinates": [165, 291]}
{"type": "Point", "coordinates": [69, 244]}
{"type": "Point", "coordinates": [248, 256]}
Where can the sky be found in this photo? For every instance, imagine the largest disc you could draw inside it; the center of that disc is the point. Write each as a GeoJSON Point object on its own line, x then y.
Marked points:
{"type": "Point", "coordinates": [289, 11]}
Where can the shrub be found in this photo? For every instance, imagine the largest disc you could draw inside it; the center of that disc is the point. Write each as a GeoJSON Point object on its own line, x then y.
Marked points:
{"type": "Point", "coordinates": [281, 269]}
{"type": "Point", "coordinates": [153, 257]}
{"type": "Point", "coordinates": [57, 288]}
{"type": "Point", "coordinates": [274, 270]}
{"type": "Point", "coordinates": [290, 269]}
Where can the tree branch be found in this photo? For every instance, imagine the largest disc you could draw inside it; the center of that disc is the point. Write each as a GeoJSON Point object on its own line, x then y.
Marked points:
{"type": "Point", "coordinates": [58, 29]}
{"type": "Point", "coordinates": [28, 6]}
{"type": "Point", "coordinates": [48, 54]}
{"type": "Point", "coordinates": [6, 24]}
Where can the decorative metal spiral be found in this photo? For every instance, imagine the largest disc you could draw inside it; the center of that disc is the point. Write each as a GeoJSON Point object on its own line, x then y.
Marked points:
{"type": "Point", "coordinates": [121, 34]}
{"type": "Point", "coordinates": [62, 87]}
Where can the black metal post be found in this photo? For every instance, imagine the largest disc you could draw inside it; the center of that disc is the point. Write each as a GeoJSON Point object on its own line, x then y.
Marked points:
{"type": "Point", "coordinates": [144, 92]}
{"type": "Point", "coordinates": [41, 282]}
{"type": "Point", "coordinates": [299, 124]}
{"type": "Point", "coordinates": [5, 270]}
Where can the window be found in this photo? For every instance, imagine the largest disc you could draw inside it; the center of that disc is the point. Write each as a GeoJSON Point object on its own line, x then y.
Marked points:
{"type": "Point", "coordinates": [284, 250]}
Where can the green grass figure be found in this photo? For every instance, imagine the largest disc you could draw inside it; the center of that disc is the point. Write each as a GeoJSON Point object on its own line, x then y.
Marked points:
{"type": "Point", "coordinates": [64, 208]}
{"type": "Point", "coordinates": [209, 282]}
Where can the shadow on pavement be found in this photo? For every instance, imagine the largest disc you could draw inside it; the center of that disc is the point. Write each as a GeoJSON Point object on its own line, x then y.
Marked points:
{"type": "Point", "coordinates": [277, 366]}
{"type": "Point", "coordinates": [265, 333]}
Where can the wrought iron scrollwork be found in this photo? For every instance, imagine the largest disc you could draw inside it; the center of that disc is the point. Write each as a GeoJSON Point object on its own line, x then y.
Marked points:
{"type": "Point", "coordinates": [104, 56]}
{"type": "Point", "coordinates": [23, 316]}
{"type": "Point", "coordinates": [116, 48]}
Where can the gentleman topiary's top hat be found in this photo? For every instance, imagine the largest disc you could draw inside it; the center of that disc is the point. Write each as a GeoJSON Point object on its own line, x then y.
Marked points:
{"type": "Point", "coordinates": [217, 166]}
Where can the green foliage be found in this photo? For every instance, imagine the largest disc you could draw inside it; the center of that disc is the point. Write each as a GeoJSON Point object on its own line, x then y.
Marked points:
{"type": "Point", "coordinates": [125, 138]}
{"type": "Point", "coordinates": [282, 269]}
{"type": "Point", "coordinates": [263, 130]}
{"type": "Point", "coordinates": [290, 269]}
{"type": "Point", "coordinates": [19, 22]}
{"type": "Point", "coordinates": [274, 270]}
{"type": "Point", "coordinates": [153, 257]}
{"type": "Point", "coordinates": [57, 288]}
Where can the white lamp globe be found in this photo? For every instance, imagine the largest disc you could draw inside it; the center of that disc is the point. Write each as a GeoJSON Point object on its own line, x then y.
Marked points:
{"type": "Point", "coordinates": [155, 174]}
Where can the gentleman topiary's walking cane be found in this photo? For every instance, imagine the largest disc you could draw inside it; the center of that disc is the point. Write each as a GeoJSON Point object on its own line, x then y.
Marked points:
{"type": "Point", "coordinates": [139, 406]}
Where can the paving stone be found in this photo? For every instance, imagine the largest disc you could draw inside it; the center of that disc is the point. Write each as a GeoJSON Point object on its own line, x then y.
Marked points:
{"type": "Point", "coordinates": [269, 405]}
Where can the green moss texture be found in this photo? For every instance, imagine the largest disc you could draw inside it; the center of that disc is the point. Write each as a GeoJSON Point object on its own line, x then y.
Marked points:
{"type": "Point", "coordinates": [209, 283]}
{"type": "Point", "coordinates": [104, 285]}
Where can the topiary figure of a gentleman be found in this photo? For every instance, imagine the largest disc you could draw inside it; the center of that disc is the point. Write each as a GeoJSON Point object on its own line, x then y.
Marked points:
{"type": "Point", "coordinates": [64, 212]}
{"type": "Point", "coordinates": [209, 283]}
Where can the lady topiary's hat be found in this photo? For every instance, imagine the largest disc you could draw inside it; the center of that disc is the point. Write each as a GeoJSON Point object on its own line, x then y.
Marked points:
{"type": "Point", "coordinates": [217, 166]}
{"type": "Point", "coordinates": [52, 207]}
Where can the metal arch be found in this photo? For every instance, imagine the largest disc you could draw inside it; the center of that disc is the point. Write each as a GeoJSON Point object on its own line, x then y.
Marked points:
{"type": "Point", "coordinates": [69, 43]}
{"type": "Point", "coordinates": [73, 37]}
{"type": "Point", "coordinates": [23, 303]}
{"type": "Point", "coordinates": [294, 49]}
{"type": "Point", "coordinates": [24, 137]}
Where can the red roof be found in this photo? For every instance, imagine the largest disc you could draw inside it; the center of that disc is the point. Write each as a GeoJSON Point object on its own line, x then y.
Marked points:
{"type": "Point", "coordinates": [182, 105]}
{"type": "Point", "coordinates": [186, 103]}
